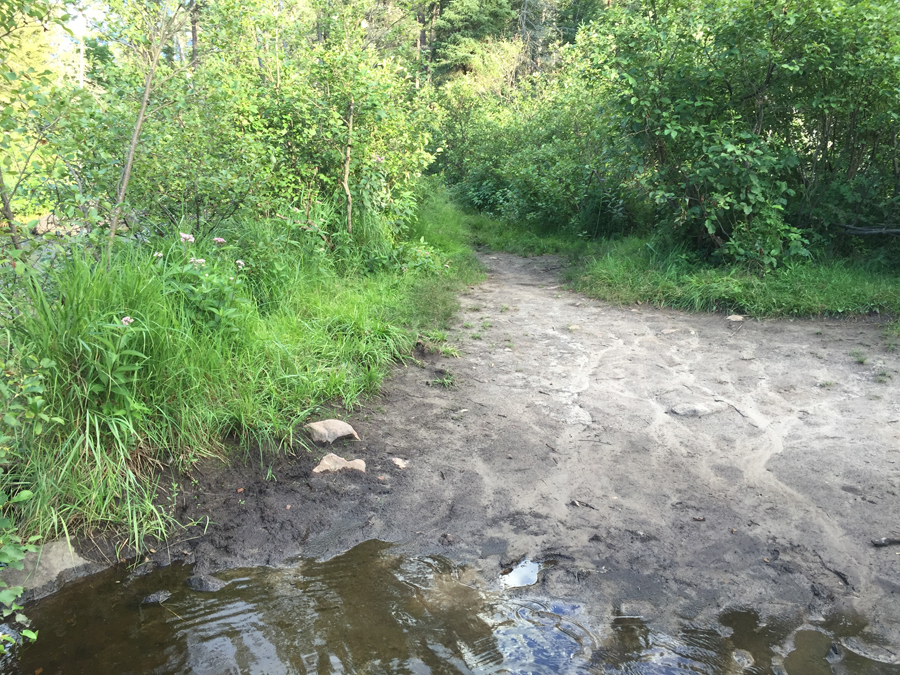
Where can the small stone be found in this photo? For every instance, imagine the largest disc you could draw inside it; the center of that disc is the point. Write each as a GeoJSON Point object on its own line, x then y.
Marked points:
{"type": "Point", "coordinates": [332, 463]}
{"type": "Point", "coordinates": [689, 410]}
{"type": "Point", "coordinates": [401, 463]}
{"type": "Point", "coordinates": [697, 409]}
{"type": "Point", "coordinates": [669, 331]}
{"type": "Point", "coordinates": [203, 583]}
{"type": "Point", "coordinates": [743, 658]}
{"type": "Point", "coordinates": [574, 327]}
{"type": "Point", "coordinates": [141, 570]}
{"type": "Point", "coordinates": [156, 598]}
{"type": "Point", "coordinates": [734, 317]}
{"type": "Point", "coordinates": [328, 431]}
{"type": "Point", "coordinates": [446, 540]}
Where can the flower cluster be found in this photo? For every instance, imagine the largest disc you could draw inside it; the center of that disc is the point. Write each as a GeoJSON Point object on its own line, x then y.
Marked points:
{"type": "Point", "coordinates": [127, 321]}
{"type": "Point", "coordinates": [189, 238]}
{"type": "Point", "coordinates": [158, 254]}
{"type": "Point", "coordinates": [240, 264]}
{"type": "Point", "coordinates": [218, 240]}
{"type": "Point", "coordinates": [197, 261]}
{"type": "Point", "coordinates": [379, 158]}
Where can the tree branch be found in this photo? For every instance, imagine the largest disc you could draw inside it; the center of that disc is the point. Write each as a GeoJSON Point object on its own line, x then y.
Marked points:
{"type": "Point", "coordinates": [853, 229]}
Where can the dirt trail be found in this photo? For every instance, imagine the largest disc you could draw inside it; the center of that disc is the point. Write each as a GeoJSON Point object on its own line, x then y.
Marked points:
{"type": "Point", "coordinates": [672, 464]}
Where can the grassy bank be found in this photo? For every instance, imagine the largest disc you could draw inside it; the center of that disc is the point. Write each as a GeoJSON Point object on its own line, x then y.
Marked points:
{"type": "Point", "coordinates": [183, 343]}
{"type": "Point", "coordinates": [632, 269]}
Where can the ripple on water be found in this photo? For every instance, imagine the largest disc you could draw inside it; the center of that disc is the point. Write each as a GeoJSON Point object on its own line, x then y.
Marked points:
{"type": "Point", "coordinates": [372, 611]}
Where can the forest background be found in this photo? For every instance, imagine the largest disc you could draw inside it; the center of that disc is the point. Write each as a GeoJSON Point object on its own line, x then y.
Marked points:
{"type": "Point", "coordinates": [220, 214]}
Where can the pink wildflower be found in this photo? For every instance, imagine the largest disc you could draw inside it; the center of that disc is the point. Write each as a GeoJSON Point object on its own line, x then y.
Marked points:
{"type": "Point", "coordinates": [187, 237]}
{"type": "Point", "coordinates": [197, 261]}
{"type": "Point", "coordinates": [240, 264]}
{"type": "Point", "coordinates": [158, 255]}
{"type": "Point", "coordinates": [218, 240]}
{"type": "Point", "coordinates": [127, 321]}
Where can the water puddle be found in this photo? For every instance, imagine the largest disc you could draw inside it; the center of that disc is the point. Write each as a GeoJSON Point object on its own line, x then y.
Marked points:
{"type": "Point", "coordinates": [372, 611]}
{"type": "Point", "coordinates": [522, 574]}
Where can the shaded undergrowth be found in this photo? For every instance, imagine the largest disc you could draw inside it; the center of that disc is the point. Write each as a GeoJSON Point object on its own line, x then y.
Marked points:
{"type": "Point", "coordinates": [636, 269]}
{"type": "Point", "coordinates": [155, 359]}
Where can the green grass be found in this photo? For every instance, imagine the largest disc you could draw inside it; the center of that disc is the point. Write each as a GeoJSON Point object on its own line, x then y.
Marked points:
{"type": "Point", "coordinates": [629, 270]}
{"type": "Point", "coordinates": [218, 355]}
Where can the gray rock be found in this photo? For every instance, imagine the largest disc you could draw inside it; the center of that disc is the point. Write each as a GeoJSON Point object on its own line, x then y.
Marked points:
{"type": "Point", "coordinates": [141, 571]}
{"type": "Point", "coordinates": [204, 583]}
{"type": "Point", "coordinates": [156, 598]}
{"type": "Point", "coordinates": [696, 409]}
{"type": "Point", "coordinates": [689, 410]}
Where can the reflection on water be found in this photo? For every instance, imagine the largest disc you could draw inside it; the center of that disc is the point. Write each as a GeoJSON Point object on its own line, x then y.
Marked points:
{"type": "Point", "coordinates": [370, 611]}
{"type": "Point", "coordinates": [524, 573]}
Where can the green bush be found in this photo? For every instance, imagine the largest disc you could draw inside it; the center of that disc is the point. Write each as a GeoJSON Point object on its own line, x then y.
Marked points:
{"type": "Point", "coordinates": [752, 133]}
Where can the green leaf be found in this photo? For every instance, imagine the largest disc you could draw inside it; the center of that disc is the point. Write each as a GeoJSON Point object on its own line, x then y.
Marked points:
{"type": "Point", "coordinates": [22, 496]}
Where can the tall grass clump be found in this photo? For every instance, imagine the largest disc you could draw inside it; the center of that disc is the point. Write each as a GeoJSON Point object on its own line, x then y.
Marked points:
{"type": "Point", "coordinates": [155, 357]}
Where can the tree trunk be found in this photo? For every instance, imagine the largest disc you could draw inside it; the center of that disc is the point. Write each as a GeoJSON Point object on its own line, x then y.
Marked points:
{"type": "Point", "coordinates": [195, 29]}
{"type": "Point", "coordinates": [419, 39]}
{"type": "Point", "coordinates": [135, 137]}
{"type": "Point", "coordinates": [6, 208]}
{"type": "Point", "coordinates": [347, 170]}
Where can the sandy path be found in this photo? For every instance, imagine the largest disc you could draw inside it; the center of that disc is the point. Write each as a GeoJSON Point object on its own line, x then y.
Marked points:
{"type": "Point", "coordinates": [561, 437]}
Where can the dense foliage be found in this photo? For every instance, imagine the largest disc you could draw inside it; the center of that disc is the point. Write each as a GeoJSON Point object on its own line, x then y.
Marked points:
{"type": "Point", "coordinates": [754, 131]}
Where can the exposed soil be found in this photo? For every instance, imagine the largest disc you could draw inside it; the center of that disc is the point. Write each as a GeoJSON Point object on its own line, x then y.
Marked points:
{"type": "Point", "coordinates": [674, 465]}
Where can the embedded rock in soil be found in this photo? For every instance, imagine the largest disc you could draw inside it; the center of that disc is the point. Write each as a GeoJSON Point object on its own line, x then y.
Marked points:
{"type": "Point", "coordinates": [141, 570]}
{"type": "Point", "coordinates": [156, 598]}
{"type": "Point", "coordinates": [328, 431]}
{"type": "Point", "coordinates": [331, 463]}
{"type": "Point", "coordinates": [204, 583]}
{"type": "Point", "coordinates": [693, 410]}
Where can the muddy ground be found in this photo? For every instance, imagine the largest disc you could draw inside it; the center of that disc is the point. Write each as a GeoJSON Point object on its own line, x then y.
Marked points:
{"type": "Point", "coordinates": [672, 465]}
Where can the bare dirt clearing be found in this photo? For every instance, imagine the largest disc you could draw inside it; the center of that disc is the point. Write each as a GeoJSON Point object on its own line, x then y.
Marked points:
{"type": "Point", "coordinates": [672, 465]}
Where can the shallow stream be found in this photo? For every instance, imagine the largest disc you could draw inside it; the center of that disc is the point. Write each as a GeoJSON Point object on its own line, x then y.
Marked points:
{"type": "Point", "coordinates": [374, 611]}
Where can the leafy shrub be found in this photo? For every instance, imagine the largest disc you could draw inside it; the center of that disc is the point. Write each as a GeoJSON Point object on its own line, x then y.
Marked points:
{"type": "Point", "coordinates": [23, 416]}
{"type": "Point", "coordinates": [750, 133]}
